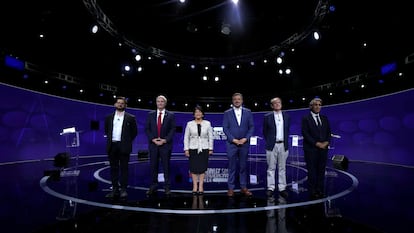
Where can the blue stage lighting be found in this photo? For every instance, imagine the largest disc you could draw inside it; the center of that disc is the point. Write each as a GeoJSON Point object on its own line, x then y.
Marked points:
{"type": "Point", "coordinates": [14, 63]}
{"type": "Point", "coordinates": [388, 68]}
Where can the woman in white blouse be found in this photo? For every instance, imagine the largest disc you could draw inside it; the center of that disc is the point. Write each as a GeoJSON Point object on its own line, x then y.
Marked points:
{"type": "Point", "coordinates": [198, 146]}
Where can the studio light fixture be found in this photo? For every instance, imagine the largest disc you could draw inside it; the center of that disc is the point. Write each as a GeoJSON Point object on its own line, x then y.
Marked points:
{"type": "Point", "coordinates": [226, 29]}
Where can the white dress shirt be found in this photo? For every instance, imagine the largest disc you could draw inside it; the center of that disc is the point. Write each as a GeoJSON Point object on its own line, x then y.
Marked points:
{"type": "Point", "coordinates": [238, 112]}
{"type": "Point", "coordinates": [117, 127]}
{"type": "Point", "coordinates": [279, 126]}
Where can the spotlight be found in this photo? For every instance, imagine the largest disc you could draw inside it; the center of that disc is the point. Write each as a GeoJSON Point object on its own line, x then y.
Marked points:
{"type": "Point", "coordinates": [192, 27]}
{"type": "Point", "coordinates": [226, 29]}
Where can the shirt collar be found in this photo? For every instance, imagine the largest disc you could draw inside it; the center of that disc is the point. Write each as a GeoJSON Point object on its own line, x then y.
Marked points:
{"type": "Point", "coordinates": [119, 114]}
{"type": "Point", "coordinates": [237, 109]}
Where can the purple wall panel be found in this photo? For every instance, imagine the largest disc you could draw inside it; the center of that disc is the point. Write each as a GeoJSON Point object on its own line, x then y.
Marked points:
{"type": "Point", "coordinates": [377, 129]}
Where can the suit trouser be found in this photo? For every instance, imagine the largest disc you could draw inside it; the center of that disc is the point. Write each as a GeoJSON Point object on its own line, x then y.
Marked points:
{"type": "Point", "coordinates": [118, 163]}
{"type": "Point", "coordinates": [316, 164]}
{"type": "Point", "coordinates": [156, 153]}
{"type": "Point", "coordinates": [237, 156]}
{"type": "Point", "coordinates": [276, 157]}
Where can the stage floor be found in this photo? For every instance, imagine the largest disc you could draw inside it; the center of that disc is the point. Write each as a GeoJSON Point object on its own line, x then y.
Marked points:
{"type": "Point", "coordinates": [366, 197]}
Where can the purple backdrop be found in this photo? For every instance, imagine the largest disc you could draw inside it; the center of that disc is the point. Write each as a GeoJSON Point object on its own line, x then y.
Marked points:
{"type": "Point", "coordinates": [377, 129]}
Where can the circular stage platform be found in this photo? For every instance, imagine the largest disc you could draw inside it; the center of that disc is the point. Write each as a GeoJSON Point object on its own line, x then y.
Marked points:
{"type": "Point", "coordinates": [88, 183]}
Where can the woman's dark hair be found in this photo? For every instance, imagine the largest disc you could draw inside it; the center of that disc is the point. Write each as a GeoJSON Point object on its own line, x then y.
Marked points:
{"type": "Point", "coordinates": [199, 108]}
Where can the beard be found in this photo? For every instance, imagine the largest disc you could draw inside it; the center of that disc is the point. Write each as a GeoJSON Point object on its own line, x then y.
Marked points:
{"type": "Point", "coordinates": [121, 109]}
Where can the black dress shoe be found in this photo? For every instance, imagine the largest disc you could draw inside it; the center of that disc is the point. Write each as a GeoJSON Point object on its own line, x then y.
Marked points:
{"type": "Point", "coordinates": [284, 193]}
{"type": "Point", "coordinates": [194, 193]}
{"type": "Point", "coordinates": [314, 196]}
{"type": "Point", "coordinates": [112, 194]}
{"type": "Point", "coordinates": [200, 193]}
{"type": "Point", "coordinates": [269, 193]}
{"type": "Point", "coordinates": [123, 194]}
{"type": "Point", "coordinates": [167, 191]}
{"type": "Point", "coordinates": [151, 191]}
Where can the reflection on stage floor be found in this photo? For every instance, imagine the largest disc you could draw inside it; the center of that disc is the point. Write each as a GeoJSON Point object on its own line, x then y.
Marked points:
{"type": "Point", "coordinates": [38, 197]}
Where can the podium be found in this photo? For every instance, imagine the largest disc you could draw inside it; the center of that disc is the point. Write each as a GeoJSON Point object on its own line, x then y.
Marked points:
{"type": "Point", "coordinates": [254, 149]}
{"type": "Point", "coordinates": [72, 148]}
{"type": "Point", "coordinates": [340, 163]}
{"type": "Point", "coordinates": [296, 143]}
{"type": "Point", "coordinates": [69, 207]}
{"type": "Point", "coordinates": [70, 173]}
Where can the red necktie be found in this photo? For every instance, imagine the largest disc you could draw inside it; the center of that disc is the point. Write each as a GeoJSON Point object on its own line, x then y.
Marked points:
{"type": "Point", "coordinates": [159, 124]}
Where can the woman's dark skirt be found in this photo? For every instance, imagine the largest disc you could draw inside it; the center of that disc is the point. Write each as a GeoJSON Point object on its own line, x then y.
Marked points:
{"type": "Point", "coordinates": [198, 161]}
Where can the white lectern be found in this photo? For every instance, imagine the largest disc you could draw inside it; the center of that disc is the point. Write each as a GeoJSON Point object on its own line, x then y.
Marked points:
{"type": "Point", "coordinates": [330, 209]}
{"type": "Point", "coordinates": [72, 148]}
{"type": "Point", "coordinates": [70, 173]}
{"type": "Point", "coordinates": [255, 143]}
{"type": "Point", "coordinates": [296, 143]}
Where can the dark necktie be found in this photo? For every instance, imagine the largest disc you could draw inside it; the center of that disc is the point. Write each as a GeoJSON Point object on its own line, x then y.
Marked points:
{"type": "Point", "coordinates": [159, 124]}
{"type": "Point", "coordinates": [318, 120]}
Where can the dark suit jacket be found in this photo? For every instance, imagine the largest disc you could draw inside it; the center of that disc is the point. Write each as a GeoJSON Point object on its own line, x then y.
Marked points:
{"type": "Point", "coordinates": [312, 133]}
{"type": "Point", "coordinates": [232, 129]}
{"type": "Point", "coordinates": [269, 130]}
{"type": "Point", "coordinates": [129, 132]}
{"type": "Point", "coordinates": [167, 128]}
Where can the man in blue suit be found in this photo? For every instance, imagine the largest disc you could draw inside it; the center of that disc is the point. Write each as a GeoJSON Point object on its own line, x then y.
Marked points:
{"type": "Point", "coordinates": [316, 132]}
{"type": "Point", "coordinates": [238, 126]}
{"type": "Point", "coordinates": [276, 125]}
{"type": "Point", "coordinates": [160, 128]}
